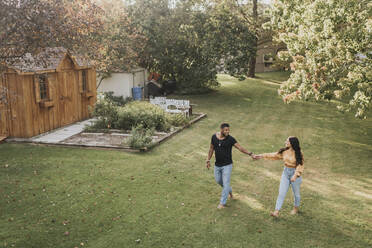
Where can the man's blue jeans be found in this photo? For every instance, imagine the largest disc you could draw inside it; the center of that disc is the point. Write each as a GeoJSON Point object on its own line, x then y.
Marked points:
{"type": "Point", "coordinates": [222, 175]}
{"type": "Point", "coordinates": [284, 186]}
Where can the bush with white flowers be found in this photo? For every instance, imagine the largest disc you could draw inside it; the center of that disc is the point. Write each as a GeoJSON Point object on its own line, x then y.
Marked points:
{"type": "Point", "coordinates": [330, 48]}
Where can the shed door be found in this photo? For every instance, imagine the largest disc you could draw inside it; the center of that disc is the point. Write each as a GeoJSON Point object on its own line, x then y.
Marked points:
{"type": "Point", "coordinates": [68, 89]}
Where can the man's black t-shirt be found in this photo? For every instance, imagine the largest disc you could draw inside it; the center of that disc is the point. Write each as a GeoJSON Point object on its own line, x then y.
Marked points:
{"type": "Point", "coordinates": [223, 150]}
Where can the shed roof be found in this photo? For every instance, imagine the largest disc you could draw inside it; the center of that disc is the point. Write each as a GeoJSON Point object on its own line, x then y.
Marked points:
{"type": "Point", "coordinates": [46, 60]}
{"type": "Point", "coordinates": [128, 70]}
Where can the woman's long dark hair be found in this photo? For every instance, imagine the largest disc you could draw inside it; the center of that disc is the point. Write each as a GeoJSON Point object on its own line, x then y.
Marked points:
{"type": "Point", "coordinates": [295, 143]}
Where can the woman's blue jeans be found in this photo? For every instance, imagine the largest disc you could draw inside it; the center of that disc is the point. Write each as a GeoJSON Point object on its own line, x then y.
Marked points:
{"type": "Point", "coordinates": [284, 185]}
{"type": "Point", "coordinates": [222, 175]}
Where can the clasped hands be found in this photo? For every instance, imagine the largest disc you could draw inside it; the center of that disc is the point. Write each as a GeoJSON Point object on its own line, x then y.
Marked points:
{"type": "Point", "coordinates": [256, 157]}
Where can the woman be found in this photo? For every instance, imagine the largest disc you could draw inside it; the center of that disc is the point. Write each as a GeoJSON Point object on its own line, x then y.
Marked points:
{"type": "Point", "coordinates": [293, 169]}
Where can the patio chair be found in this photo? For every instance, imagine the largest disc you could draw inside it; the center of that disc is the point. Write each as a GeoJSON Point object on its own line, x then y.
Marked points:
{"type": "Point", "coordinates": [179, 106]}
{"type": "Point", "coordinates": [159, 102]}
{"type": "Point", "coordinates": [160, 99]}
{"type": "Point", "coordinates": [171, 108]}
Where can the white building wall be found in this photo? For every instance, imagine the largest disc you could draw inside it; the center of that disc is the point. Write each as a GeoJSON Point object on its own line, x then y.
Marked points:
{"type": "Point", "coordinates": [140, 78]}
{"type": "Point", "coordinates": [122, 83]}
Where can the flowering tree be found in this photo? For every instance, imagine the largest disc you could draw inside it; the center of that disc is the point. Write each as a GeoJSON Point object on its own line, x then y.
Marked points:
{"type": "Point", "coordinates": [330, 49]}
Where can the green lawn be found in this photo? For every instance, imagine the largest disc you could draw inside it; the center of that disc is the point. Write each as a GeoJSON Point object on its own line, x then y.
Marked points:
{"type": "Point", "coordinates": [166, 197]}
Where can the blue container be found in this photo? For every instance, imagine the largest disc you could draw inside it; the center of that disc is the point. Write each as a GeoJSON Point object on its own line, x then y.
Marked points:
{"type": "Point", "coordinates": [137, 93]}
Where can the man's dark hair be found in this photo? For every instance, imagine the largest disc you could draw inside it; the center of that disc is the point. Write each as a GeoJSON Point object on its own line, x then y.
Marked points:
{"type": "Point", "coordinates": [223, 125]}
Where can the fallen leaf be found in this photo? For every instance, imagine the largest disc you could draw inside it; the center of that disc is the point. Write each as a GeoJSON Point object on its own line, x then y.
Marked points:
{"type": "Point", "coordinates": [116, 218]}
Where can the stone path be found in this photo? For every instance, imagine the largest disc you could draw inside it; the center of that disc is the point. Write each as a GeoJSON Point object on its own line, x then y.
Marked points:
{"type": "Point", "coordinates": [61, 134]}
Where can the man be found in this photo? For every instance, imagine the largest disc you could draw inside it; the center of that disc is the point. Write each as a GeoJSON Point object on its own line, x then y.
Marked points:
{"type": "Point", "coordinates": [222, 144]}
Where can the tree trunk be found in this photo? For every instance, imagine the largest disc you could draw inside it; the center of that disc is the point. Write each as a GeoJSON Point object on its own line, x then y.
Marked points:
{"type": "Point", "coordinates": [252, 62]}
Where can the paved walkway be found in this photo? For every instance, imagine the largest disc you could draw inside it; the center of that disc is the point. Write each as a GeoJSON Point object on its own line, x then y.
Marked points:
{"type": "Point", "coordinates": [61, 134]}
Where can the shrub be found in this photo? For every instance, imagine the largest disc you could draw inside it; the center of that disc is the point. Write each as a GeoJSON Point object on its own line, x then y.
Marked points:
{"type": "Point", "coordinates": [141, 137]}
{"type": "Point", "coordinates": [106, 113]}
{"type": "Point", "coordinates": [176, 120]}
{"type": "Point", "coordinates": [116, 100]}
{"type": "Point", "coordinates": [109, 115]}
{"type": "Point", "coordinates": [142, 113]}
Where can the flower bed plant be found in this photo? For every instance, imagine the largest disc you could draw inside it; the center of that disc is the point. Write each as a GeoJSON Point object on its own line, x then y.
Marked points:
{"type": "Point", "coordinates": [138, 118]}
{"type": "Point", "coordinates": [142, 113]}
{"type": "Point", "coordinates": [140, 137]}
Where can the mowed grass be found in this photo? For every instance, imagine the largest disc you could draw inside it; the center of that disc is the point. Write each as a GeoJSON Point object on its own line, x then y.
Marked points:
{"type": "Point", "coordinates": [68, 197]}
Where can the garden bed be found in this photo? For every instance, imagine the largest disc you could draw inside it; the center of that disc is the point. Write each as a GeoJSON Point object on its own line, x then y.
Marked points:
{"type": "Point", "coordinates": [111, 139]}
{"type": "Point", "coordinates": [116, 139]}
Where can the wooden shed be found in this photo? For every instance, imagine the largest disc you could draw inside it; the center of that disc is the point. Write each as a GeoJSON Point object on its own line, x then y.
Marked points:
{"type": "Point", "coordinates": [39, 93]}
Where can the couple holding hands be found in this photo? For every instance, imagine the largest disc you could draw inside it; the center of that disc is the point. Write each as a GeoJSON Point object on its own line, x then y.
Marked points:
{"type": "Point", "coordinates": [221, 145]}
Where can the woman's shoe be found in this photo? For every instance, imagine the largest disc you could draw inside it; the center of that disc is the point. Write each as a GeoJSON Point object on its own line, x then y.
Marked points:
{"type": "Point", "coordinates": [294, 211]}
{"type": "Point", "coordinates": [220, 206]}
{"type": "Point", "coordinates": [275, 214]}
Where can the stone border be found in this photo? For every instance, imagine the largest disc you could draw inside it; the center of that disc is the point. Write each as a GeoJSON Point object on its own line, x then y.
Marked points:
{"type": "Point", "coordinates": [108, 147]}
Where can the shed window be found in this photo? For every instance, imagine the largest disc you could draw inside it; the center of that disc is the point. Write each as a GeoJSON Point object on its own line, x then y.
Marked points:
{"type": "Point", "coordinates": [85, 80]}
{"type": "Point", "coordinates": [43, 87]}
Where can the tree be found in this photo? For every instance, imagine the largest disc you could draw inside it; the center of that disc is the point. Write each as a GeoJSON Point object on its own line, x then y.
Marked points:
{"type": "Point", "coordinates": [26, 26]}
{"type": "Point", "coordinates": [231, 35]}
{"type": "Point", "coordinates": [247, 17]}
{"type": "Point", "coordinates": [177, 43]}
{"type": "Point", "coordinates": [252, 62]}
{"type": "Point", "coordinates": [187, 41]}
{"type": "Point", "coordinates": [330, 45]}
{"type": "Point", "coordinates": [120, 40]}
{"type": "Point", "coordinates": [100, 30]}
